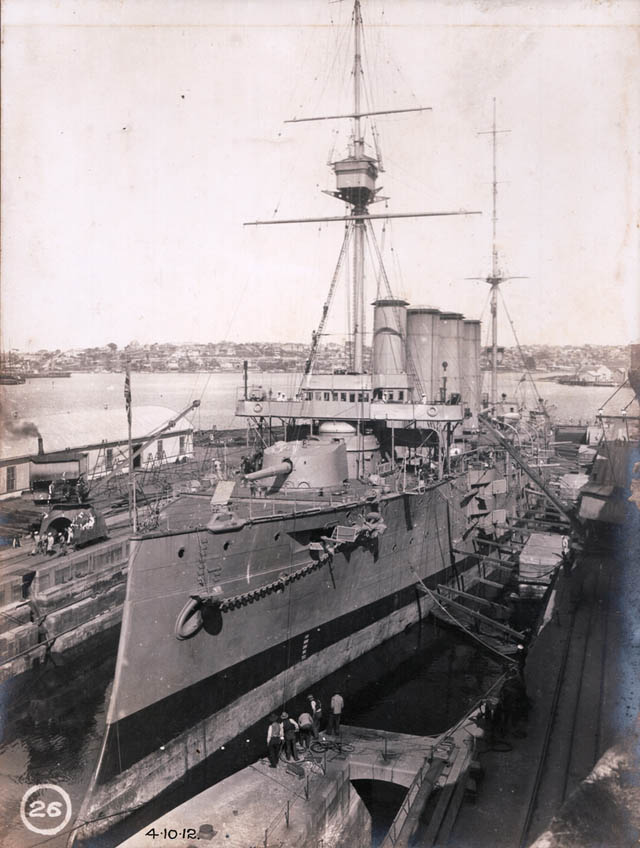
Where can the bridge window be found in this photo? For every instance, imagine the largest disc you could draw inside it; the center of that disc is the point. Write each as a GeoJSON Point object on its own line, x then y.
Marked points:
{"type": "Point", "coordinates": [182, 444]}
{"type": "Point", "coordinates": [352, 397]}
{"type": "Point", "coordinates": [343, 396]}
{"type": "Point", "coordinates": [108, 459]}
{"type": "Point", "coordinates": [318, 395]}
{"type": "Point", "coordinates": [11, 478]}
{"type": "Point", "coordinates": [401, 395]}
{"type": "Point", "coordinates": [327, 396]}
{"type": "Point", "coordinates": [334, 395]}
{"type": "Point", "coordinates": [366, 397]}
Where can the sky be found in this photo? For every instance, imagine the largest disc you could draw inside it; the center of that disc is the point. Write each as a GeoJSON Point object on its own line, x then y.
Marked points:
{"type": "Point", "coordinates": [138, 137]}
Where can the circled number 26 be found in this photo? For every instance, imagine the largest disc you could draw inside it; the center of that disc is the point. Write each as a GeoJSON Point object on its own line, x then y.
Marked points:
{"type": "Point", "coordinates": [45, 808]}
{"type": "Point", "coordinates": [40, 810]}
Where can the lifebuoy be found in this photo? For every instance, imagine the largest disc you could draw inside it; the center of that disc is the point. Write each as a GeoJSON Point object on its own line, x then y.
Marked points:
{"type": "Point", "coordinates": [432, 411]}
{"type": "Point", "coordinates": [189, 621]}
{"type": "Point", "coordinates": [257, 407]}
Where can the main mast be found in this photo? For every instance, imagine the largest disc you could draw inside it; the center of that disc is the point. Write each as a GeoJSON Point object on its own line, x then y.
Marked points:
{"type": "Point", "coordinates": [355, 185]}
{"type": "Point", "coordinates": [358, 256]}
{"type": "Point", "coordinates": [496, 278]}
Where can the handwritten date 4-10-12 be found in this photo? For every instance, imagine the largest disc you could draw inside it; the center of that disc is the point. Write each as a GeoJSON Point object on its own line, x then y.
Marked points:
{"type": "Point", "coordinates": [172, 833]}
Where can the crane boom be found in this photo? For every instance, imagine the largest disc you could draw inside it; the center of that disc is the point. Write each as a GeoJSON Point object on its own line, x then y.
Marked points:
{"type": "Point", "coordinates": [562, 507]}
{"type": "Point", "coordinates": [153, 436]}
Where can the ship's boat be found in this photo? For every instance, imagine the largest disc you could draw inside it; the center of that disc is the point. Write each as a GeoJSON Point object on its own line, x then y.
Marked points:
{"type": "Point", "coordinates": [9, 379]}
{"type": "Point", "coordinates": [328, 544]}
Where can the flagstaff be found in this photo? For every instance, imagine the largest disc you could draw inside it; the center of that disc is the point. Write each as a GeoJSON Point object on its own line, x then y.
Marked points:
{"type": "Point", "coordinates": [133, 518]}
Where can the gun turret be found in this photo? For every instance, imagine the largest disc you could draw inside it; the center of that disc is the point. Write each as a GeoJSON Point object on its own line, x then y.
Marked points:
{"type": "Point", "coordinates": [284, 467]}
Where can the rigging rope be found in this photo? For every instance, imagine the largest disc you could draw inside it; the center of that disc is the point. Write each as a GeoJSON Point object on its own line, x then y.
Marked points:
{"type": "Point", "coordinates": [611, 397]}
{"type": "Point", "coordinates": [458, 623]}
{"type": "Point", "coordinates": [539, 401]}
{"type": "Point", "coordinates": [315, 341]}
{"type": "Point", "coordinates": [410, 365]}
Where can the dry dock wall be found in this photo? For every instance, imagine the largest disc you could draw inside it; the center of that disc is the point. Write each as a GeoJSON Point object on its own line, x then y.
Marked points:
{"type": "Point", "coordinates": [69, 599]}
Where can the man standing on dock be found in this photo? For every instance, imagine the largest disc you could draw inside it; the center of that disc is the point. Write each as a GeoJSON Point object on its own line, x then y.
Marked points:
{"type": "Point", "coordinates": [274, 740]}
{"type": "Point", "coordinates": [305, 722]}
{"type": "Point", "coordinates": [335, 714]}
{"type": "Point", "coordinates": [316, 714]}
{"type": "Point", "coordinates": [289, 731]}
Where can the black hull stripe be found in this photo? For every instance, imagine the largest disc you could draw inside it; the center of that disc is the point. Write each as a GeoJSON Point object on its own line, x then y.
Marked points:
{"type": "Point", "coordinates": [134, 737]}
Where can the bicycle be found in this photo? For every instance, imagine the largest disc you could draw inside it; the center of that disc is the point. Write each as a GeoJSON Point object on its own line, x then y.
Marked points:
{"type": "Point", "coordinates": [319, 746]}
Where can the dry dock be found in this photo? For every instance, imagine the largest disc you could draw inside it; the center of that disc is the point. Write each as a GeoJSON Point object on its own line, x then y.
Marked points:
{"type": "Point", "coordinates": [575, 677]}
{"type": "Point", "coordinates": [533, 769]}
{"type": "Point", "coordinates": [314, 803]}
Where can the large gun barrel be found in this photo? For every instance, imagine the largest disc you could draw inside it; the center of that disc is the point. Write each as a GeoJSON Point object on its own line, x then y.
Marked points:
{"type": "Point", "coordinates": [284, 467]}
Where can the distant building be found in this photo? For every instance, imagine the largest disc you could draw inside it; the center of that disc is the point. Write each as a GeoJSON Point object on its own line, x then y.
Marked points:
{"type": "Point", "coordinates": [99, 435]}
{"type": "Point", "coordinates": [601, 374]}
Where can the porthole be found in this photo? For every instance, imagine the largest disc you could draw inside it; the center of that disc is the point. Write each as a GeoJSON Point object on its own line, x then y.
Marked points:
{"type": "Point", "coordinates": [226, 546]}
{"type": "Point", "coordinates": [276, 537]}
{"type": "Point", "coordinates": [181, 553]}
{"type": "Point", "coordinates": [394, 548]}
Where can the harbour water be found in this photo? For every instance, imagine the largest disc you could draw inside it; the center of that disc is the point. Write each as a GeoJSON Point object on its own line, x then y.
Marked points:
{"type": "Point", "coordinates": [218, 392]}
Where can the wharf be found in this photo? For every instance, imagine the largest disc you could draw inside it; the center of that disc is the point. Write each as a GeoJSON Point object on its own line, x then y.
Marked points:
{"type": "Point", "coordinates": [534, 789]}
{"type": "Point", "coordinates": [313, 802]}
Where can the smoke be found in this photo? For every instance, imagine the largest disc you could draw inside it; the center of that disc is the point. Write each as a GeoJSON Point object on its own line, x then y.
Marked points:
{"type": "Point", "coordinates": [21, 428]}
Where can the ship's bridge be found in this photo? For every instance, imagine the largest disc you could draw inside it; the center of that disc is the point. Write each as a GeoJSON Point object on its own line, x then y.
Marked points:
{"type": "Point", "coordinates": [352, 397]}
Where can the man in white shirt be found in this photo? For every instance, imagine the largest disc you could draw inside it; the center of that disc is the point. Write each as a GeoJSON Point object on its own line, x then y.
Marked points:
{"type": "Point", "coordinates": [305, 722]}
{"type": "Point", "coordinates": [335, 714]}
{"type": "Point", "coordinates": [275, 738]}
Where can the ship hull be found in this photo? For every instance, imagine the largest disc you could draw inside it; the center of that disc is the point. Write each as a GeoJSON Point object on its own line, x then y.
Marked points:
{"type": "Point", "coordinates": [204, 691]}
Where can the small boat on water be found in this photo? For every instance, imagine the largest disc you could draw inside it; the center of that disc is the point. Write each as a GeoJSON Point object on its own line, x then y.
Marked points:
{"type": "Point", "coordinates": [9, 379]}
{"type": "Point", "coordinates": [49, 374]}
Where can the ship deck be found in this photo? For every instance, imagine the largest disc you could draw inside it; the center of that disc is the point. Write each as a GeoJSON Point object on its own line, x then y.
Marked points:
{"type": "Point", "coordinates": [194, 511]}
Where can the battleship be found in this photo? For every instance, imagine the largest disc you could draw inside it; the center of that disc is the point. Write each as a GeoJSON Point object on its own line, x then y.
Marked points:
{"type": "Point", "coordinates": [331, 543]}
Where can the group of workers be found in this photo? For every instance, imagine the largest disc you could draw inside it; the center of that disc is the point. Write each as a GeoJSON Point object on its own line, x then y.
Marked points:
{"type": "Point", "coordinates": [287, 734]}
{"type": "Point", "coordinates": [248, 464]}
{"type": "Point", "coordinates": [52, 542]}
{"type": "Point", "coordinates": [69, 491]}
